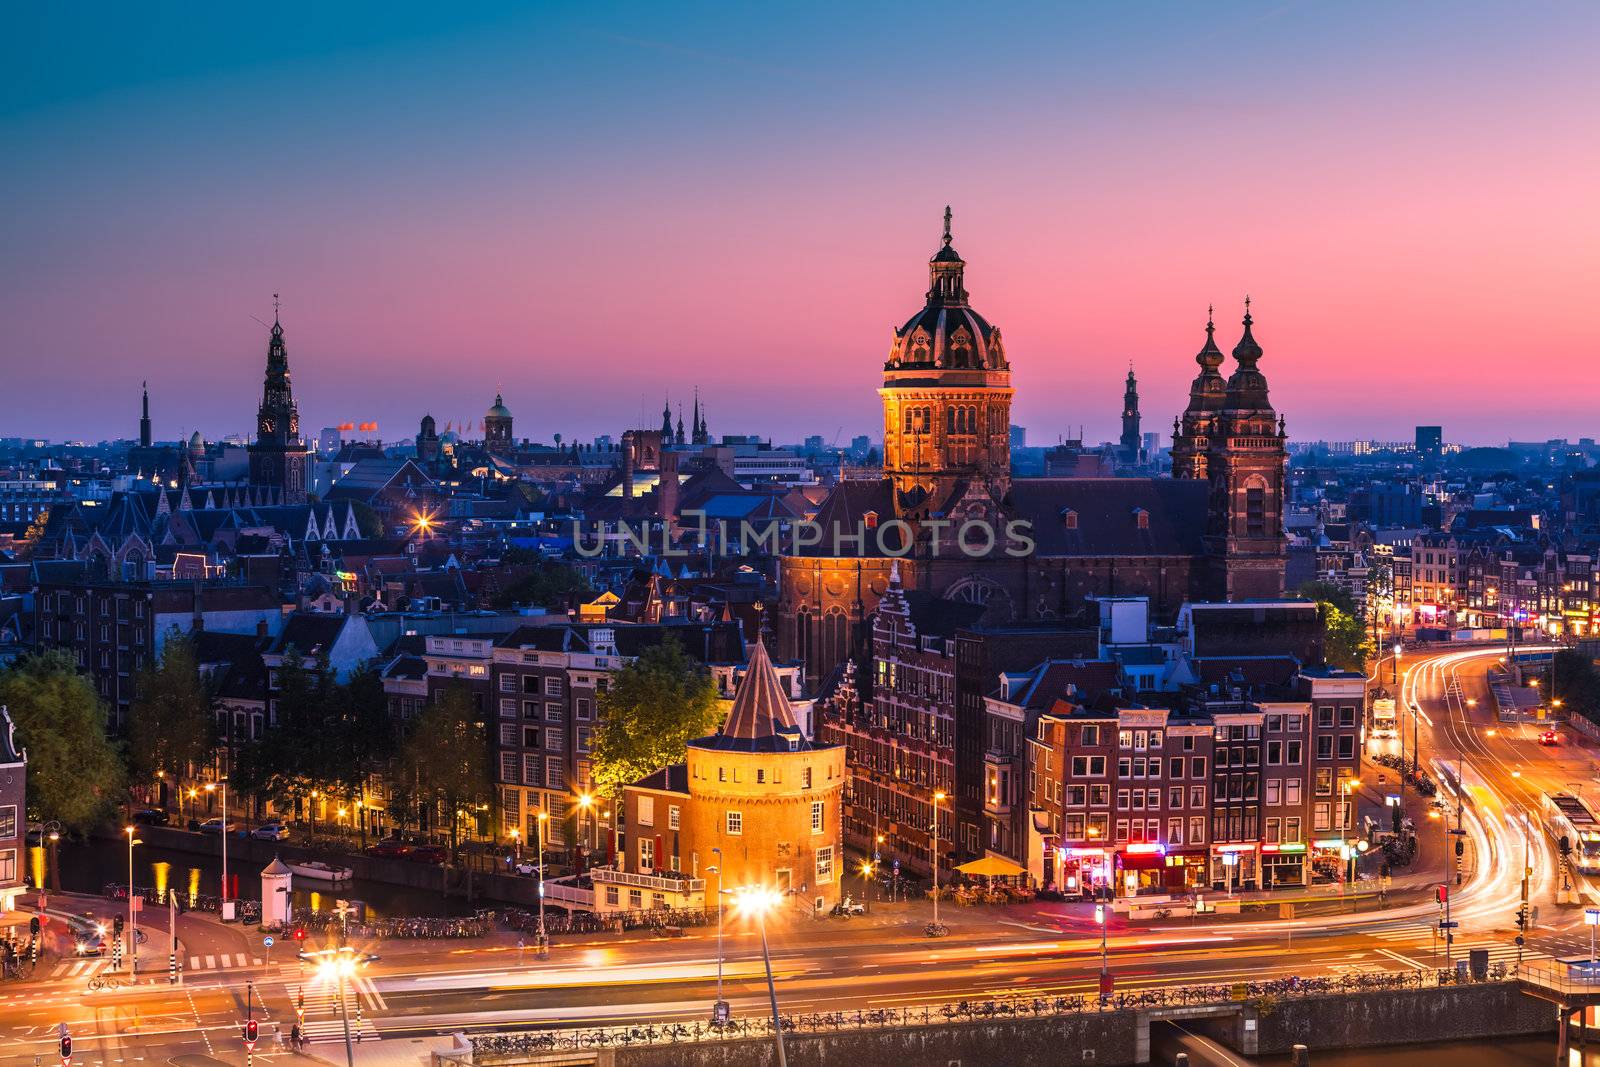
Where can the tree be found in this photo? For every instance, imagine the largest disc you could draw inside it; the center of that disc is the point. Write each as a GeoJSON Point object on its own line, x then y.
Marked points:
{"type": "Point", "coordinates": [170, 727]}
{"type": "Point", "coordinates": [547, 585]}
{"type": "Point", "coordinates": [656, 705]}
{"type": "Point", "coordinates": [292, 754]}
{"type": "Point", "coordinates": [1577, 684]}
{"type": "Point", "coordinates": [1345, 642]}
{"type": "Point", "coordinates": [74, 772]}
{"type": "Point", "coordinates": [1328, 593]}
{"type": "Point", "coordinates": [361, 740]}
{"type": "Point", "coordinates": [446, 758]}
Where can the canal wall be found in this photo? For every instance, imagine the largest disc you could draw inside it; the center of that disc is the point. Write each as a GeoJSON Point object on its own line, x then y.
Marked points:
{"type": "Point", "coordinates": [1261, 1027]}
{"type": "Point", "coordinates": [1105, 1040]}
{"type": "Point", "coordinates": [1395, 1017]}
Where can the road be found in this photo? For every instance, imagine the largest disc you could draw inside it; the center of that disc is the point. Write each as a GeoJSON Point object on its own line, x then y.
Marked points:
{"type": "Point", "coordinates": [880, 960]}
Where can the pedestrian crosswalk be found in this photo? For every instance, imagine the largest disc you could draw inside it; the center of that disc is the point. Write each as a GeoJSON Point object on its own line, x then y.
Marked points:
{"type": "Point", "coordinates": [222, 961]}
{"type": "Point", "coordinates": [89, 966]}
{"type": "Point", "coordinates": [323, 1019]}
{"type": "Point", "coordinates": [1418, 948]}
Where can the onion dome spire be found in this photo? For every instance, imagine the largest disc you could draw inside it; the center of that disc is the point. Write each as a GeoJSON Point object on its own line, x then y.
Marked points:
{"type": "Point", "coordinates": [1210, 356]}
{"type": "Point", "coordinates": [1247, 351]}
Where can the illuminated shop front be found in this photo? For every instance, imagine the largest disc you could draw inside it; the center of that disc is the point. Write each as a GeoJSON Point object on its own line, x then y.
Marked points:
{"type": "Point", "coordinates": [1079, 870]}
{"type": "Point", "coordinates": [1235, 866]}
{"type": "Point", "coordinates": [1283, 864]}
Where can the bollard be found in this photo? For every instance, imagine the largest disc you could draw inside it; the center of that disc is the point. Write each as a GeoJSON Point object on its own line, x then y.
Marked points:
{"type": "Point", "coordinates": [1301, 1056]}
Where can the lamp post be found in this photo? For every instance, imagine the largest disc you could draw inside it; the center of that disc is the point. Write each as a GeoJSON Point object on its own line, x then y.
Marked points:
{"type": "Point", "coordinates": [210, 787]}
{"type": "Point", "coordinates": [935, 930]}
{"type": "Point", "coordinates": [338, 964]}
{"type": "Point", "coordinates": [756, 901]}
{"type": "Point", "coordinates": [516, 844]}
{"type": "Point", "coordinates": [720, 1012]}
{"type": "Point", "coordinates": [1591, 919]}
{"type": "Point", "coordinates": [586, 808]}
{"type": "Point", "coordinates": [544, 944]}
{"type": "Point", "coordinates": [1101, 917]}
{"type": "Point", "coordinates": [1230, 860]}
{"type": "Point", "coordinates": [866, 875]}
{"type": "Point", "coordinates": [133, 914]}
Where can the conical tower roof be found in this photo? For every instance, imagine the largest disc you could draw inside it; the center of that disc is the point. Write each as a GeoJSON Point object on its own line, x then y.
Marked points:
{"type": "Point", "coordinates": [760, 720]}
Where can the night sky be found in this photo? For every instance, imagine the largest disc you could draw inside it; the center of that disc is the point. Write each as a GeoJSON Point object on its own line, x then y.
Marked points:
{"type": "Point", "coordinates": [590, 206]}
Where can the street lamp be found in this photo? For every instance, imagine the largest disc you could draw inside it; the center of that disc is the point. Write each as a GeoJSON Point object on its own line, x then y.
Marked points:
{"type": "Point", "coordinates": [935, 929]}
{"type": "Point", "coordinates": [223, 896]}
{"type": "Point", "coordinates": [866, 874]}
{"type": "Point", "coordinates": [1103, 917]}
{"type": "Point", "coordinates": [133, 914]}
{"type": "Point", "coordinates": [720, 1012]}
{"type": "Point", "coordinates": [1591, 919]}
{"type": "Point", "coordinates": [338, 964]}
{"type": "Point", "coordinates": [757, 901]}
{"type": "Point", "coordinates": [516, 843]}
{"type": "Point", "coordinates": [544, 944]}
{"type": "Point", "coordinates": [586, 807]}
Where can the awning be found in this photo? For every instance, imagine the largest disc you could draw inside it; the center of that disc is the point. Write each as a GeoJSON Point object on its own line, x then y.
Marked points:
{"type": "Point", "coordinates": [1141, 861]}
{"type": "Point", "coordinates": [991, 867]}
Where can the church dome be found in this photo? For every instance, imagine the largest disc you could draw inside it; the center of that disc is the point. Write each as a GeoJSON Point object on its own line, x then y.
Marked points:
{"type": "Point", "coordinates": [197, 444]}
{"type": "Point", "coordinates": [499, 411]}
{"type": "Point", "coordinates": [947, 333]}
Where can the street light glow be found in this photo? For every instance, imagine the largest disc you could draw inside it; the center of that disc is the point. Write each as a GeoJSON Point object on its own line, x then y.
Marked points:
{"type": "Point", "coordinates": [756, 900]}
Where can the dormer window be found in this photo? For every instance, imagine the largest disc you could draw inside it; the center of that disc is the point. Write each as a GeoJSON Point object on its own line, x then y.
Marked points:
{"type": "Point", "coordinates": [1069, 518]}
{"type": "Point", "coordinates": [1141, 518]}
{"type": "Point", "coordinates": [871, 520]}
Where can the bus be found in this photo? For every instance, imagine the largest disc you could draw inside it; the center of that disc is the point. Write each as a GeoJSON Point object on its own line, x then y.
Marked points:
{"type": "Point", "coordinates": [1568, 816]}
{"type": "Point", "coordinates": [1385, 721]}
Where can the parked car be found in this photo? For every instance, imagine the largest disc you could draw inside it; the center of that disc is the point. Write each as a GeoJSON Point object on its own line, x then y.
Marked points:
{"type": "Point", "coordinates": [214, 826]}
{"type": "Point", "coordinates": [270, 831]}
{"type": "Point", "coordinates": [389, 849]}
{"type": "Point", "coordinates": [428, 853]}
{"type": "Point", "coordinates": [150, 817]}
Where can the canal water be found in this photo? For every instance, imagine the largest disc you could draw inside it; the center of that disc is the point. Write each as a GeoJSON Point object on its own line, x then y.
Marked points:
{"type": "Point", "coordinates": [87, 867]}
{"type": "Point", "coordinates": [1167, 1041]}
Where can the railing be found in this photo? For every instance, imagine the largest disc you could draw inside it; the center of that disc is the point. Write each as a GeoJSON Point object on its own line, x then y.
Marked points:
{"type": "Point", "coordinates": [566, 893]}
{"type": "Point", "coordinates": [660, 883]}
{"type": "Point", "coordinates": [248, 911]}
{"type": "Point", "coordinates": [1561, 978]}
{"type": "Point", "coordinates": [496, 1047]}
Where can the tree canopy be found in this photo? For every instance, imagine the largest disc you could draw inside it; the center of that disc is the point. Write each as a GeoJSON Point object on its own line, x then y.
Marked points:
{"type": "Point", "coordinates": [74, 772]}
{"type": "Point", "coordinates": [656, 705]}
{"type": "Point", "coordinates": [547, 584]}
{"type": "Point", "coordinates": [445, 760]}
{"type": "Point", "coordinates": [170, 727]}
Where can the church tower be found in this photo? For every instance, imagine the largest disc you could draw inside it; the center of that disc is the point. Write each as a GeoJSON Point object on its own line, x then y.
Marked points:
{"type": "Point", "coordinates": [1131, 444]}
{"type": "Point", "coordinates": [144, 419]}
{"type": "Point", "coordinates": [1246, 462]}
{"type": "Point", "coordinates": [946, 396]}
{"type": "Point", "coordinates": [278, 458]}
{"type": "Point", "coordinates": [497, 439]}
{"type": "Point", "coordinates": [1191, 432]}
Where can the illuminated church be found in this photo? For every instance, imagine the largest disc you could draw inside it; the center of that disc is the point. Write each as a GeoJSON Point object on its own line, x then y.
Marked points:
{"type": "Point", "coordinates": [1212, 531]}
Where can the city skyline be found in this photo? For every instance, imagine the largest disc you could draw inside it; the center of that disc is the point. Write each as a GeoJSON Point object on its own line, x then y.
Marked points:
{"type": "Point", "coordinates": [523, 199]}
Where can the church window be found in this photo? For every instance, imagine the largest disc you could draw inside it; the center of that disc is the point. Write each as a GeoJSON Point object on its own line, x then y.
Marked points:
{"type": "Point", "coordinates": [1255, 511]}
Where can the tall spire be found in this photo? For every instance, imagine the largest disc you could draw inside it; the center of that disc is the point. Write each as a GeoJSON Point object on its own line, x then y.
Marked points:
{"type": "Point", "coordinates": [144, 418]}
{"type": "Point", "coordinates": [946, 283]}
{"type": "Point", "coordinates": [666, 420]}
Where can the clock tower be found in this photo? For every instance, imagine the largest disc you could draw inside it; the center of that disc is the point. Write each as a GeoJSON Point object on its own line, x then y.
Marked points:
{"type": "Point", "coordinates": [278, 458]}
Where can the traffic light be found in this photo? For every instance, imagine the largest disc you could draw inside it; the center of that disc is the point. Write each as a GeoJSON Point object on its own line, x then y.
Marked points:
{"type": "Point", "coordinates": [33, 926]}
{"type": "Point", "coordinates": [1522, 917]}
{"type": "Point", "coordinates": [66, 1049]}
{"type": "Point", "coordinates": [116, 924]}
{"type": "Point", "coordinates": [299, 933]}
{"type": "Point", "coordinates": [251, 1031]}
{"type": "Point", "coordinates": [1564, 846]}
{"type": "Point", "coordinates": [1441, 893]}
{"type": "Point", "coordinates": [1461, 847]}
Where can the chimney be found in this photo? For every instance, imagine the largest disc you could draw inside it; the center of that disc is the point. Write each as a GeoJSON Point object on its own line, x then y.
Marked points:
{"type": "Point", "coordinates": [261, 628]}
{"type": "Point", "coordinates": [627, 465]}
{"type": "Point", "coordinates": [667, 488]}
